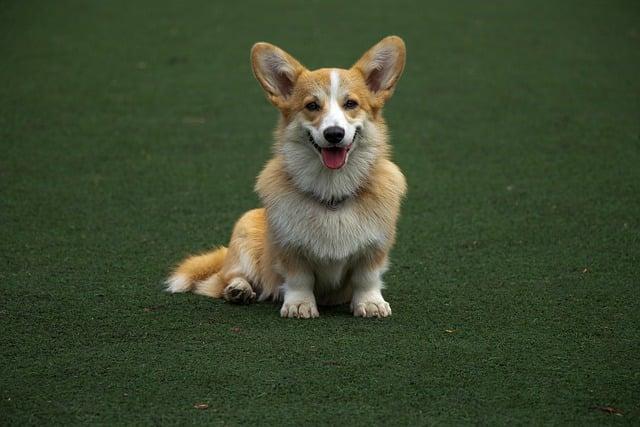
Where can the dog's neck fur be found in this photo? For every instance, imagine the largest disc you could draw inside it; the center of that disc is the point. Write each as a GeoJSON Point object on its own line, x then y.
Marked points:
{"type": "Point", "coordinates": [310, 176]}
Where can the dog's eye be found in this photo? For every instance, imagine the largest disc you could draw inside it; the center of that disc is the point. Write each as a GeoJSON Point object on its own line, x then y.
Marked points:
{"type": "Point", "coordinates": [350, 104]}
{"type": "Point", "coordinates": [312, 106]}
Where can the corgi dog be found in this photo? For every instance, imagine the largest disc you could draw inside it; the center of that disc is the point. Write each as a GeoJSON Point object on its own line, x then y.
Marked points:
{"type": "Point", "coordinates": [331, 195]}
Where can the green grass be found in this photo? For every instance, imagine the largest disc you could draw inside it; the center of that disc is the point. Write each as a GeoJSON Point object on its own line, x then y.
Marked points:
{"type": "Point", "coordinates": [131, 134]}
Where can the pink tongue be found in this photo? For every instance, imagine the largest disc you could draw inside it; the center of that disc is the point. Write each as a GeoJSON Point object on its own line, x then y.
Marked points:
{"type": "Point", "coordinates": [334, 158]}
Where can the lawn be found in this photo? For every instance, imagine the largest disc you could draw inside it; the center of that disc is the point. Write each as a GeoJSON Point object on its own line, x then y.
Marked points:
{"type": "Point", "coordinates": [131, 134]}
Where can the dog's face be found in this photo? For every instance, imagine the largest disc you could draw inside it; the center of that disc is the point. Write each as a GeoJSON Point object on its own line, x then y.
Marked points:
{"type": "Point", "coordinates": [329, 111]}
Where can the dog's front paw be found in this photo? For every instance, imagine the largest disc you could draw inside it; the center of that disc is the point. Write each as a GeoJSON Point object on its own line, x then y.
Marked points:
{"type": "Point", "coordinates": [299, 309]}
{"type": "Point", "coordinates": [372, 305]}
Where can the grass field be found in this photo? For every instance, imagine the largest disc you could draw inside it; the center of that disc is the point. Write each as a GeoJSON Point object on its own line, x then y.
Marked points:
{"type": "Point", "coordinates": [131, 134]}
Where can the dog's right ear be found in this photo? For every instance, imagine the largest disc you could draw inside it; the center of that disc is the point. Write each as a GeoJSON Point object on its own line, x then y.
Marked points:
{"type": "Point", "coordinates": [276, 70]}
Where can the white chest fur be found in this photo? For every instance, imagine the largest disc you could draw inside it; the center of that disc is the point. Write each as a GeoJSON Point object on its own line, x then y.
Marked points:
{"type": "Point", "coordinates": [322, 234]}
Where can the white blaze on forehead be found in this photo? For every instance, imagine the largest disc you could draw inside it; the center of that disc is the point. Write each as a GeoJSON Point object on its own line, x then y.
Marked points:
{"type": "Point", "coordinates": [335, 84]}
{"type": "Point", "coordinates": [335, 115]}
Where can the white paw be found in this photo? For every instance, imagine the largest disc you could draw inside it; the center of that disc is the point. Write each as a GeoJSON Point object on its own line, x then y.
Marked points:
{"type": "Point", "coordinates": [299, 309]}
{"type": "Point", "coordinates": [370, 305]}
{"type": "Point", "coordinates": [372, 309]}
{"type": "Point", "coordinates": [239, 291]}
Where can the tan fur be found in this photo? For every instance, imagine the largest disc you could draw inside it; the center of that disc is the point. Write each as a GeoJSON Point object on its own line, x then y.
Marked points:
{"type": "Point", "coordinates": [202, 266]}
{"type": "Point", "coordinates": [294, 238]}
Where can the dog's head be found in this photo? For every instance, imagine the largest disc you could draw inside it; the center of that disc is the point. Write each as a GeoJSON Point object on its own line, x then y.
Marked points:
{"type": "Point", "coordinates": [331, 112]}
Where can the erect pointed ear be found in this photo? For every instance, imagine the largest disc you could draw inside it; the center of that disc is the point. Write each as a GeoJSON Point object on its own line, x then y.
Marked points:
{"type": "Point", "coordinates": [276, 70]}
{"type": "Point", "coordinates": [382, 66]}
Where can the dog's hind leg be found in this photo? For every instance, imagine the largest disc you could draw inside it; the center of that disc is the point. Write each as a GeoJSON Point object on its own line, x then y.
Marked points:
{"type": "Point", "coordinates": [239, 291]}
{"type": "Point", "coordinates": [236, 290]}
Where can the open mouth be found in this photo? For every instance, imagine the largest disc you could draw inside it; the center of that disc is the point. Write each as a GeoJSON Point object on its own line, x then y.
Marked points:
{"type": "Point", "coordinates": [333, 157]}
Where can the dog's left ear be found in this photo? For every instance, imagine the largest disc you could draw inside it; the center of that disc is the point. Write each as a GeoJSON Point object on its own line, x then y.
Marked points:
{"type": "Point", "coordinates": [382, 65]}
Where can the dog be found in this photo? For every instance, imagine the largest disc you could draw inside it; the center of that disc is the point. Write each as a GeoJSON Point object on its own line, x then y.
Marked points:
{"type": "Point", "coordinates": [331, 195]}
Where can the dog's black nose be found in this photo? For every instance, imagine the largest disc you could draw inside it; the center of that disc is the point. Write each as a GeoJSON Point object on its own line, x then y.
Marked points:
{"type": "Point", "coordinates": [333, 134]}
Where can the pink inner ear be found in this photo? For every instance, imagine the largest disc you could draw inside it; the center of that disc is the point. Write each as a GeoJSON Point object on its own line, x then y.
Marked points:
{"type": "Point", "coordinates": [278, 76]}
{"type": "Point", "coordinates": [374, 80]}
{"type": "Point", "coordinates": [381, 69]}
{"type": "Point", "coordinates": [284, 83]}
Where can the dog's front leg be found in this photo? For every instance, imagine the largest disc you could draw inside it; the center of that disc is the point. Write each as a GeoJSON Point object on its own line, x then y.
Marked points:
{"type": "Point", "coordinates": [367, 300]}
{"type": "Point", "coordinates": [299, 300]}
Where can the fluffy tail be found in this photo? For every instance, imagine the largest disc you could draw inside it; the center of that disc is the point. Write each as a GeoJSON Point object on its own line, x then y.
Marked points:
{"type": "Point", "coordinates": [195, 270]}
